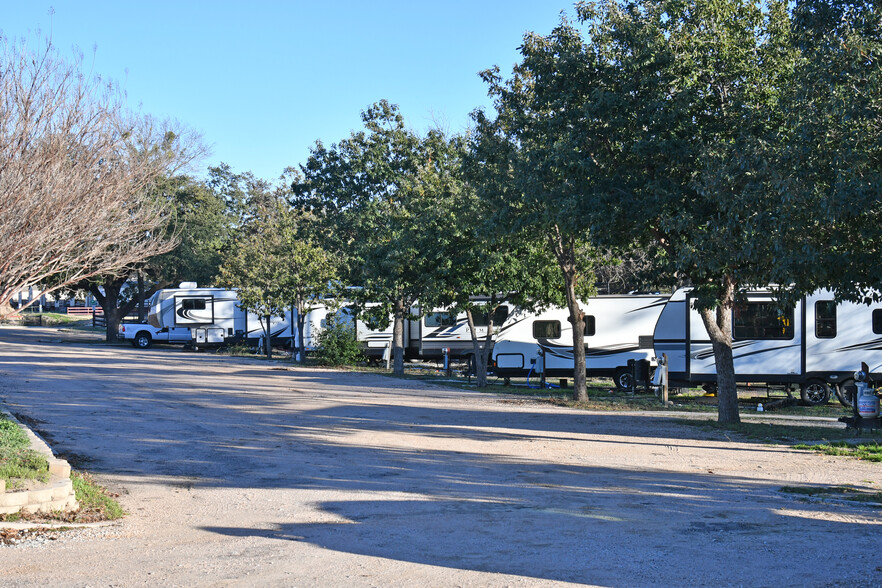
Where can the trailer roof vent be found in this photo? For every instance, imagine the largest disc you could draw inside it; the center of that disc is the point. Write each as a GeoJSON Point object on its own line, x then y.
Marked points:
{"type": "Point", "coordinates": [187, 285]}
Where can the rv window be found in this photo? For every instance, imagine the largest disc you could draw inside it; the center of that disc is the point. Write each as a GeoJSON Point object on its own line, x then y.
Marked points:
{"type": "Point", "coordinates": [498, 317]}
{"type": "Point", "coordinates": [761, 320]}
{"type": "Point", "coordinates": [440, 319]}
{"type": "Point", "coordinates": [193, 304]}
{"type": "Point", "coordinates": [546, 329]}
{"type": "Point", "coordinates": [825, 319]}
{"type": "Point", "coordinates": [590, 326]}
{"type": "Point", "coordinates": [877, 321]}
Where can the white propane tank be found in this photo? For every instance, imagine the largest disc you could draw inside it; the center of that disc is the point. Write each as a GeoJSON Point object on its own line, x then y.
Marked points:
{"type": "Point", "coordinates": [867, 402]}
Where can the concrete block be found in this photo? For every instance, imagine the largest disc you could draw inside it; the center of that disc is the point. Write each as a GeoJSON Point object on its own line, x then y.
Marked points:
{"type": "Point", "coordinates": [40, 496]}
{"type": "Point", "coordinates": [59, 467]}
{"type": "Point", "coordinates": [17, 499]}
{"type": "Point", "coordinates": [66, 504]}
{"type": "Point", "coordinates": [62, 490]}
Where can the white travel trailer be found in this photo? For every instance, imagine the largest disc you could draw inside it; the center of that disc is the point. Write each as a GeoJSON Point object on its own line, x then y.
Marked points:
{"type": "Point", "coordinates": [617, 329]}
{"type": "Point", "coordinates": [440, 329]}
{"type": "Point", "coordinates": [816, 345]}
{"type": "Point", "coordinates": [427, 336]}
{"type": "Point", "coordinates": [213, 316]}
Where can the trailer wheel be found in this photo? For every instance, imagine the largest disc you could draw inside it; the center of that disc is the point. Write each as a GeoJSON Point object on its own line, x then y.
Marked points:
{"type": "Point", "coordinates": [623, 379]}
{"type": "Point", "coordinates": [815, 392]}
{"type": "Point", "coordinates": [844, 398]}
{"type": "Point", "coordinates": [142, 340]}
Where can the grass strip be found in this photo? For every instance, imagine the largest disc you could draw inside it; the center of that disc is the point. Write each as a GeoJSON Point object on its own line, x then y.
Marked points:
{"type": "Point", "coordinates": [840, 492]}
{"type": "Point", "coordinates": [17, 461]}
{"type": "Point", "coordinates": [866, 451]}
{"type": "Point", "coordinates": [95, 499]}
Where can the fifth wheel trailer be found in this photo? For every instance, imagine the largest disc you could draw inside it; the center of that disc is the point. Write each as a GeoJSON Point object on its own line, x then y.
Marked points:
{"type": "Point", "coordinates": [817, 345]}
{"type": "Point", "coordinates": [213, 316]}
{"type": "Point", "coordinates": [617, 329]}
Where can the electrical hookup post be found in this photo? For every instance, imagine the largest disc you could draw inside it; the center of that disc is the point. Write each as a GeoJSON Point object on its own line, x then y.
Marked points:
{"type": "Point", "coordinates": [660, 379]}
{"type": "Point", "coordinates": [864, 402]}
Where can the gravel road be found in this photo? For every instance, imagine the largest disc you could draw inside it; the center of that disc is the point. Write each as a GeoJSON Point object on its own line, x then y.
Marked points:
{"type": "Point", "coordinates": [238, 472]}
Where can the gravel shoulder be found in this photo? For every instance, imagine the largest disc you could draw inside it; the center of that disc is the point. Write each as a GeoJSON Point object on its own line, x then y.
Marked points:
{"type": "Point", "coordinates": [236, 472]}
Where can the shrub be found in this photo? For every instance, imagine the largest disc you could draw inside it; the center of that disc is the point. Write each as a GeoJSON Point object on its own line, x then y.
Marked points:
{"type": "Point", "coordinates": [337, 343]}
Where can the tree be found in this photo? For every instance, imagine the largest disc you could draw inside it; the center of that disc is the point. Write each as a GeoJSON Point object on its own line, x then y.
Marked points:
{"type": "Point", "coordinates": [307, 269]}
{"type": "Point", "coordinates": [172, 147]}
{"type": "Point", "coordinates": [257, 279]}
{"type": "Point", "coordinates": [76, 204]}
{"type": "Point", "coordinates": [669, 105]}
{"type": "Point", "coordinates": [381, 195]}
{"type": "Point", "coordinates": [488, 263]}
{"type": "Point", "coordinates": [826, 169]}
{"type": "Point", "coordinates": [530, 172]}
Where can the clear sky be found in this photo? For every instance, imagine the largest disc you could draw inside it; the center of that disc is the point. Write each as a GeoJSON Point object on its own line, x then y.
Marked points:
{"type": "Point", "coordinates": [263, 80]}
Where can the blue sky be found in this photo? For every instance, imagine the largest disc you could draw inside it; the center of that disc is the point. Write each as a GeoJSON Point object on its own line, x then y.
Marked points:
{"type": "Point", "coordinates": [263, 80]}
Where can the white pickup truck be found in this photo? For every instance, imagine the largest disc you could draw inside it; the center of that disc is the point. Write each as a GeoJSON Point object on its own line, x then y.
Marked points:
{"type": "Point", "coordinates": [143, 336]}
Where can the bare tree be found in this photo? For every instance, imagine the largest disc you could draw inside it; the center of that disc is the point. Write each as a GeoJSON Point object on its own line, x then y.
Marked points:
{"type": "Point", "coordinates": [74, 175]}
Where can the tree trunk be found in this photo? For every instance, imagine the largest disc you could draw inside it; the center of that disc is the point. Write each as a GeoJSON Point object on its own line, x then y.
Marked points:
{"type": "Point", "coordinates": [399, 315]}
{"type": "Point", "coordinates": [718, 323]}
{"type": "Point", "coordinates": [268, 344]}
{"type": "Point", "coordinates": [564, 249]}
{"type": "Point", "coordinates": [141, 314]}
{"type": "Point", "coordinates": [301, 327]}
{"type": "Point", "coordinates": [482, 351]}
{"type": "Point", "coordinates": [108, 301]}
{"type": "Point", "coordinates": [478, 352]}
{"type": "Point", "coordinates": [577, 319]}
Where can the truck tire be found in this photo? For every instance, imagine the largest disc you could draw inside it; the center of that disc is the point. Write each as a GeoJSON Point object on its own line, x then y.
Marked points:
{"type": "Point", "coordinates": [142, 340]}
{"type": "Point", "coordinates": [815, 392]}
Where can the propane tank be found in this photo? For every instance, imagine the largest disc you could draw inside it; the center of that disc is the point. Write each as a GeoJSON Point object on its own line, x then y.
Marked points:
{"type": "Point", "coordinates": [866, 402]}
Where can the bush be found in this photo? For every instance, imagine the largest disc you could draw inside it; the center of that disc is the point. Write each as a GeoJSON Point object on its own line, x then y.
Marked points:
{"type": "Point", "coordinates": [337, 343]}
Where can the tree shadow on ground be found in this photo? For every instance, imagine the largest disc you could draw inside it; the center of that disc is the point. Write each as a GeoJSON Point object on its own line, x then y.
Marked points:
{"type": "Point", "coordinates": [466, 488]}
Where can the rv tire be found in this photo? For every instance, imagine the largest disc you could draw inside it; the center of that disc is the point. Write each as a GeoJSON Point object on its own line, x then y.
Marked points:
{"type": "Point", "coordinates": [844, 399]}
{"type": "Point", "coordinates": [815, 392]}
{"type": "Point", "coordinates": [623, 379]}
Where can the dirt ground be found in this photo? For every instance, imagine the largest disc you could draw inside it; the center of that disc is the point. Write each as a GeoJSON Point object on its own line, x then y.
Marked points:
{"type": "Point", "coordinates": [240, 472]}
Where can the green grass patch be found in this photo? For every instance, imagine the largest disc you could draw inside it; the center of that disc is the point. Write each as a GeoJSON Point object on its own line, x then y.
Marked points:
{"type": "Point", "coordinates": [840, 492]}
{"type": "Point", "coordinates": [866, 451]}
{"type": "Point", "coordinates": [18, 462]}
{"type": "Point", "coordinates": [94, 499]}
{"type": "Point", "coordinates": [785, 434]}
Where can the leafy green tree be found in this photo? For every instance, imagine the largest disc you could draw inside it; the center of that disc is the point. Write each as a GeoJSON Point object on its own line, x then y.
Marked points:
{"type": "Point", "coordinates": [826, 168]}
{"type": "Point", "coordinates": [258, 280]}
{"type": "Point", "coordinates": [381, 195]}
{"type": "Point", "coordinates": [670, 104]}
{"type": "Point", "coordinates": [489, 265]}
{"type": "Point", "coordinates": [534, 166]}
{"type": "Point", "coordinates": [308, 270]}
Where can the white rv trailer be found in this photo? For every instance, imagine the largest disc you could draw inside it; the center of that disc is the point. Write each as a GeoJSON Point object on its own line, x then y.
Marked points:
{"type": "Point", "coordinates": [427, 336]}
{"type": "Point", "coordinates": [213, 316]}
{"type": "Point", "coordinates": [617, 329]}
{"type": "Point", "coordinates": [440, 329]}
{"type": "Point", "coordinates": [816, 345]}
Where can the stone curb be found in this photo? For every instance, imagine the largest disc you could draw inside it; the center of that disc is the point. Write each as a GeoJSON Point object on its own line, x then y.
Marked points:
{"type": "Point", "coordinates": [56, 495]}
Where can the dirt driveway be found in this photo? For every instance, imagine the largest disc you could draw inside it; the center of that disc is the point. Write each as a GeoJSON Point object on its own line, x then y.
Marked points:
{"type": "Point", "coordinates": [238, 473]}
